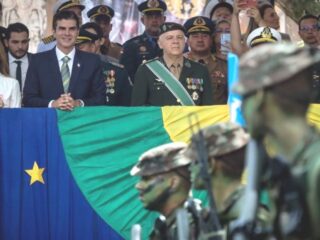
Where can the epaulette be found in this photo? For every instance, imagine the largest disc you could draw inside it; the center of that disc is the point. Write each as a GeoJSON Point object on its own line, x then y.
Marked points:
{"type": "Point", "coordinates": [150, 60]}
{"type": "Point", "coordinates": [136, 39]}
{"type": "Point", "coordinates": [48, 39]}
{"type": "Point", "coordinates": [117, 44]}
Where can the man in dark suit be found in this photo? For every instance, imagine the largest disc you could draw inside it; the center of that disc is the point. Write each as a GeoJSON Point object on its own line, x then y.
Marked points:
{"type": "Point", "coordinates": [17, 43]}
{"type": "Point", "coordinates": [64, 77]}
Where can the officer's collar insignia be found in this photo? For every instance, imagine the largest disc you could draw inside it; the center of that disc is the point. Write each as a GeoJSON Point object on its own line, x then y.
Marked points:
{"type": "Point", "coordinates": [103, 10]}
{"type": "Point", "coordinates": [199, 22]}
{"type": "Point", "coordinates": [266, 33]}
{"type": "Point", "coordinates": [164, 28]}
{"type": "Point", "coordinates": [153, 4]}
{"type": "Point", "coordinates": [187, 63]}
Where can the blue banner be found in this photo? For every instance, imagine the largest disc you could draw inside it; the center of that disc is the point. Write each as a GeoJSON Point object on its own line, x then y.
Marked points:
{"type": "Point", "coordinates": [38, 195]}
{"type": "Point", "coordinates": [234, 100]}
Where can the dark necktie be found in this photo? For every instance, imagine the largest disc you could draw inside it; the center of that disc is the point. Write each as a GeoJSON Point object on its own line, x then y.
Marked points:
{"type": "Point", "coordinates": [18, 72]}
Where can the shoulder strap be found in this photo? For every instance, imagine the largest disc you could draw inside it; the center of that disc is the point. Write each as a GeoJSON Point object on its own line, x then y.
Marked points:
{"type": "Point", "coordinates": [174, 86]}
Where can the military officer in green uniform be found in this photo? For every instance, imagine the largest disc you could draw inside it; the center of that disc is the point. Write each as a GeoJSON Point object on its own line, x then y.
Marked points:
{"type": "Point", "coordinates": [164, 186]}
{"type": "Point", "coordinates": [192, 78]}
{"type": "Point", "coordinates": [118, 85]}
{"type": "Point", "coordinates": [199, 32]}
{"type": "Point", "coordinates": [144, 47]}
{"type": "Point", "coordinates": [276, 85]}
{"type": "Point", "coordinates": [102, 15]}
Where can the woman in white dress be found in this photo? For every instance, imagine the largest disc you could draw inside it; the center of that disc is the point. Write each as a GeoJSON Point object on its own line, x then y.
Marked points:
{"type": "Point", "coordinates": [10, 96]}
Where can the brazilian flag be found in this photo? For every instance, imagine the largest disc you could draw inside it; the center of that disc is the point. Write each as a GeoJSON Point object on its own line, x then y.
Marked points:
{"type": "Point", "coordinates": [65, 175]}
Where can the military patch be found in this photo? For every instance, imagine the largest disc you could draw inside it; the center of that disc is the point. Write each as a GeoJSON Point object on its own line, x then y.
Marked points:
{"type": "Point", "coordinates": [103, 10]}
{"type": "Point", "coordinates": [195, 96]}
{"type": "Point", "coordinates": [199, 22]}
{"type": "Point", "coordinates": [110, 81]}
{"type": "Point", "coordinates": [186, 9]}
{"type": "Point", "coordinates": [153, 4]}
{"type": "Point", "coordinates": [187, 64]}
{"type": "Point", "coordinates": [48, 39]}
{"type": "Point", "coordinates": [142, 48]}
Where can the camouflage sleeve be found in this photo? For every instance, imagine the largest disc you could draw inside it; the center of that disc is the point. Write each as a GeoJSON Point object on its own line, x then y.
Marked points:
{"type": "Point", "coordinates": [313, 197]}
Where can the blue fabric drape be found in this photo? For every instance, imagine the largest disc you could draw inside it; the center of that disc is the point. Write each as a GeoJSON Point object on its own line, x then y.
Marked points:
{"type": "Point", "coordinates": [53, 210]}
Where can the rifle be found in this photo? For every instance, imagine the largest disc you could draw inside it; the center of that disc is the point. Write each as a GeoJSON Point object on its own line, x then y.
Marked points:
{"type": "Point", "coordinates": [211, 228]}
{"type": "Point", "coordinates": [243, 228]}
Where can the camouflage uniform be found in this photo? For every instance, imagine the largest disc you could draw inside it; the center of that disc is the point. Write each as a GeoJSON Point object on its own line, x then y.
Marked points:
{"type": "Point", "coordinates": [223, 139]}
{"type": "Point", "coordinates": [160, 160]}
{"type": "Point", "coordinates": [268, 66]}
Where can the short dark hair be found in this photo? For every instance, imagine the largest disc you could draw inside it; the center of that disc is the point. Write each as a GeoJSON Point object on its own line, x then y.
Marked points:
{"type": "Point", "coordinates": [307, 16]}
{"type": "Point", "coordinates": [65, 15]}
{"type": "Point", "coordinates": [16, 27]}
{"type": "Point", "coordinates": [263, 9]}
{"type": "Point", "coordinates": [94, 26]}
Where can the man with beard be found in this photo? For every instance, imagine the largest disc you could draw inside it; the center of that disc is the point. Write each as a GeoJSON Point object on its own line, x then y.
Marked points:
{"type": "Point", "coordinates": [17, 43]}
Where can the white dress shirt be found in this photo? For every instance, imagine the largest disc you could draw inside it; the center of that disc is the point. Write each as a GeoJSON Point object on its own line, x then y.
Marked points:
{"type": "Point", "coordinates": [10, 92]}
{"type": "Point", "coordinates": [61, 55]}
{"type": "Point", "coordinates": [13, 67]}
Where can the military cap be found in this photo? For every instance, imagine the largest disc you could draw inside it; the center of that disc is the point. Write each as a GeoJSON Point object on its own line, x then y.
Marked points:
{"type": "Point", "coordinates": [94, 26]}
{"type": "Point", "coordinates": [100, 10]}
{"type": "Point", "coordinates": [163, 158]}
{"type": "Point", "coordinates": [199, 24]}
{"type": "Point", "coordinates": [152, 6]}
{"type": "Point", "coordinates": [271, 64]}
{"type": "Point", "coordinates": [171, 26]}
{"type": "Point", "coordinates": [221, 139]}
{"type": "Point", "coordinates": [65, 4]}
{"type": "Point", "coordinates": [86, 36]}
{"type": "Point", "coordinates": [213, 5]}
{"type": "Point", "coordinates": [263, 35]}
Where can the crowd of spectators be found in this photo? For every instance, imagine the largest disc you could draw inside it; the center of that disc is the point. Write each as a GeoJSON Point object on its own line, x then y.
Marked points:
{"type": "Point", "coordinates": [169, 64]}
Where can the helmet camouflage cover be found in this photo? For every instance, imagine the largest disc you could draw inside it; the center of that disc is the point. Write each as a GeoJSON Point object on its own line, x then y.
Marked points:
{"type": "Point", "coordinates": [163, 158]}
{"type": "Point", "coordinates": [271, 64]}
{"type": "Point", "coordinates": [221, 139]}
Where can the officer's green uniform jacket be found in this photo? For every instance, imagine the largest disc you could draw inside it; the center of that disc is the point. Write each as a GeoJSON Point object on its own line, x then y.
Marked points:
{"type": "Point", "coordinates": [138, 49]}
{"type": "Point", "coordinates": [306, 168]}
{"type": "Point", "coordinates": [148, 90]}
